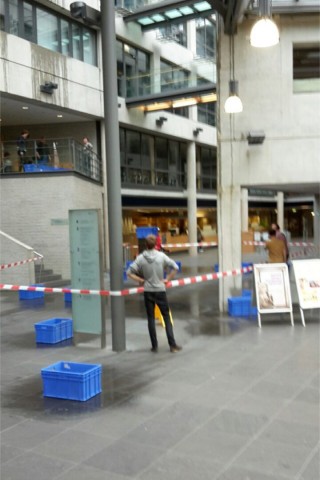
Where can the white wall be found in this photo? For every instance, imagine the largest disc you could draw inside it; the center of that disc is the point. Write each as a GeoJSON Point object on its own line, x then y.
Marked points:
{"type": "Point", "coordinates": [33, 206]}
{"type": "Point", "coordinates": [290, 121]}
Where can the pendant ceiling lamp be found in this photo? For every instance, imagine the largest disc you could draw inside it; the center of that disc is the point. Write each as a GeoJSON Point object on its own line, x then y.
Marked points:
{"type": "Point", "coordinates": [233, 103]}
{"type": "Point", "coordinates": [264, 32]}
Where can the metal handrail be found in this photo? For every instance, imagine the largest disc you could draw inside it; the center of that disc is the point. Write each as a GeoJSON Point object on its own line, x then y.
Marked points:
{"type": "Point", "coordinates": [57, 155]}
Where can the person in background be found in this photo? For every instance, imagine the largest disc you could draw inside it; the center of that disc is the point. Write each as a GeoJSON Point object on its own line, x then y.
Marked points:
{"type": "Point", "coordinates": [43, 151]}
{"type": "Point", "coordinates": [199, 239]}
{"type": "Point", "coordinates": [281, 236]}
{"type": "Point", "coordinates": [276, 248]}
{"type": "Point", "coordinates": [148, 270]}
{"type": "Point", "coordinates": [87, 155]}
{"type": "Point", "coordinates": [158, 245]}
{"type": "Point", "coordinates": [22, 149]}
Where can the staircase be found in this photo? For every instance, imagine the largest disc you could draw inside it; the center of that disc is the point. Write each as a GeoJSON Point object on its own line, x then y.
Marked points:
{"type": "Point", "coordinates": [48, 278]}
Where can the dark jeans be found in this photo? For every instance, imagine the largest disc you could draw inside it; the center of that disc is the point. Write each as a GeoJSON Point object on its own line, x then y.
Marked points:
{"type": "Point", "coordinates": [150, 300]}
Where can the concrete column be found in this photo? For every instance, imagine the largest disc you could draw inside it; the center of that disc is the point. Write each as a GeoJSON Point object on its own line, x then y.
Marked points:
{"type": "Point", "coordinates": [316, 223]}
{"type": "Point", "coordinates": [112, 142]}
{"type": "Point", "coordinates": [229, 235]}
{"type": "Point", "coordinates": [192, 196]}
{"type": "Point", "coordinates": [104, 199]}
{"type": "Point", "coordinates": [280, 210]}
{"type": "Point", "coordinates": [244, 210]}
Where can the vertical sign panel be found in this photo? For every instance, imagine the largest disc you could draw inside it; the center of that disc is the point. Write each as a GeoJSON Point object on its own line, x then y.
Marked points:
{"type": "Point", "coordinates": [85, 254]}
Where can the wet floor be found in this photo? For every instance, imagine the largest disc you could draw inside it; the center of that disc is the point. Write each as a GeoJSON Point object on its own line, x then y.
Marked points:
{"type": "Point", "coordinates": [237, 403]}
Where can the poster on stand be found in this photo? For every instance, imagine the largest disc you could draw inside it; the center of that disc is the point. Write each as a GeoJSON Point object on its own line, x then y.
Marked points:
{"type": "Point", "coordinates": [272, 289]}
{"type": "Point", "coordinates": [307, 275]}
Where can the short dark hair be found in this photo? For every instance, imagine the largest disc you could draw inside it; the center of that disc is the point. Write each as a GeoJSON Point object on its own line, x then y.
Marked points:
{"type": "Point", "coordinates": [272, 233]}
{"type": "Point", "coordinates": [150, 242]}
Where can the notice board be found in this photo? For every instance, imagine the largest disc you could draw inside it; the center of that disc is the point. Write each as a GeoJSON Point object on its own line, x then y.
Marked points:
{"type": "Point", "coordinates": [307, 276]}
{"type": "Point", "coordinates": [86, 270]}
{"type": "Point", "coordinates": [272, 289]}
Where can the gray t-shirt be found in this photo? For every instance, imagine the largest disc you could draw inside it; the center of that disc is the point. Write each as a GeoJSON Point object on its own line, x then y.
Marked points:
{"type": "Point", "coordinates": [150, 265]}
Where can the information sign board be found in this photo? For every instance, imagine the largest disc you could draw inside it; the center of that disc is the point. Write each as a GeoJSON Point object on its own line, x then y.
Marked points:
{"type": "Point", "coordinates": [86, 272]}
{"type": "Point", "coordinates": [307, 275]}
{"type": "Point", "coordinates": [272, 289]}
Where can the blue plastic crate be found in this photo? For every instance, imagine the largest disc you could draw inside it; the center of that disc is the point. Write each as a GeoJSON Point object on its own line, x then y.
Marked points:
{"type": "Point", "coordinates": [245, 265]}
{"type": "Point", "coordinates": [239, 306]}
{"type": "Point", "coordinates": [179, 265]}
{"type": "Point", "coordinates": [246, 293]}
{"type": "Point", "coordinates": [29, 295]}
{"type": "Point", "coordinates": [143, 232]}
{"type": "Point", "coordinates": [53, 330]}
{"type": "Point", "coordinates": [68, 297]}
{"type": "Point", "coordinates": [71, 381]}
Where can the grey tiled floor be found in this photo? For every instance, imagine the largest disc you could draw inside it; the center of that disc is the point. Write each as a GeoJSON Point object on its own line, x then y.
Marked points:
{"type": "Point", "coordinates": [238, 403]}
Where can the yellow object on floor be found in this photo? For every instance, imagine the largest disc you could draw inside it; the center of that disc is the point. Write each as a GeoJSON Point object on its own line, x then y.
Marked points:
{"type": "Point", "coordinates": [158, 316]}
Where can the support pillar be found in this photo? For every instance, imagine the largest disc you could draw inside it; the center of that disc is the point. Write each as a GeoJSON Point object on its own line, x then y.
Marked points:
{"type": "Point", "coordinates": [112, 143]}
{"type": "Point", "coordinates": [229, 234]}
{"type": "Point", "coordinates": [244, 210]}
{"type": "Point", "coordinates": [192, 196]}
{"type": "Point", "coordinates": [280, 210]}
{"type": "Point", "coordinates": [316, 223]}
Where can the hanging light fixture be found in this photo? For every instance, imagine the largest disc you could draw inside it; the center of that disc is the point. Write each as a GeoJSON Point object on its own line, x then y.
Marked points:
{"type": "Point", "coordinates": [264, 32]}
{"type": "Point", "coordinates": [233, 103]}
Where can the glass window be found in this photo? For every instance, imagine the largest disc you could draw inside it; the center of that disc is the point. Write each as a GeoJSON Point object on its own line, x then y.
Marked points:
{"type": "Point", "coordinates": [13, 17]}
{"type": "Point", "coordinates": [175, 33]}
{"type": "Point", "coordinates": [207, 113]}
{"type": "Point", "coordinates": [120, 69]}
{"type": "Point", "coordinates": [205, 38]}
{"type": "Point", "coordinates": [130, 56]}
{"type": "Point", "coordinates": [146, 151]}
{"type": "Point", "coordinates": [306, 68]}
{"type": "Point", "coordinates": [144, 72]}
{"type": "Point", "coordinates": [133, 149]}
{"type": "Point", "coordinates": [47, 30]}
{"type": "Point", "coordinates": [89, 47]}
{"type": "Point", "coordinates": [28, 22]}
{"type": "Point", "coordinates": [173, 77]}
{"type": "Point", "coordinates": [161, 153]}
{"type": "Point", "coordinates": [65, 38]}
{"type": "Point", "coordinates": [207, 161]}
{"type": "Point", "coordinates": [2, 15]}
{"type": "Point", "coordinates": [133, 71]}
{"type": "Point", "coordinates": [76, 42]}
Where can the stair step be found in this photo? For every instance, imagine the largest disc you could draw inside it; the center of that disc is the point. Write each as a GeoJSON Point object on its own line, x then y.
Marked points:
{"type": "Point", "coordinates": [48, 278]}
{"type": "Point", "coordinates": [57, 283]}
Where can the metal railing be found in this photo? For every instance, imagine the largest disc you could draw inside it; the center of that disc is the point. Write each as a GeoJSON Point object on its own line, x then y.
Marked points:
{"type": "Point", "coordinates": [32, 256]}
{"type": "Point", "coordinates": [57, 155]}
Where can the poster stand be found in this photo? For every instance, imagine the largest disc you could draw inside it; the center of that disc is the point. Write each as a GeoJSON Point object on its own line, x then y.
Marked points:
{"type": "Point", "coordinates": [272, 289]}
{"type": "Point", "coordinates": [307, 275]}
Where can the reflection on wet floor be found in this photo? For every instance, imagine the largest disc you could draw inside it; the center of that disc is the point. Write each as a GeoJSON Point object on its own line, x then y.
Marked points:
{"type": "Point", "coordinates": [238, 399]}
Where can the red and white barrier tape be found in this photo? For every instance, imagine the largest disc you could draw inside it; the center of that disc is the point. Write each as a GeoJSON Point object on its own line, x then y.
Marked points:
{"type": "Point", "coordinates": [129, 291]}
{"type": "Point", "coordinates": [181, 245]}
{"type": "Point", "coordinates": [215, 244]}
{"type": "Point", "coordinates": [22, 262]}
{"type": "Point", "coordinates": [291, 244]}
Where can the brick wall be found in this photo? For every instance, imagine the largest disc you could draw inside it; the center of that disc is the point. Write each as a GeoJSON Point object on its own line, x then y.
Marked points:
{"type": "Point", "coordinates": [34, 210]}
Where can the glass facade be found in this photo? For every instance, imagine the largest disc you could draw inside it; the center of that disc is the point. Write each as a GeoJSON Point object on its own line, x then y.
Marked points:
{"type": "Point", "coordinates": [149, 160]}
{"type": "Point", "coordinates": [133, 70]}
{"type": "Point", "coordinates": [207, 169]}
{"type": "Point", "coordinates": [175, 33]}
{"type": "Point", "coordinates": [205, 38]}
{"type": "Point", "coordinates": [48, 29]}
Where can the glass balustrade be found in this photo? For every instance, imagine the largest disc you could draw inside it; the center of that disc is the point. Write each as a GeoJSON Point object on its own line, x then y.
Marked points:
{"type": "Point", "coordinates": [50, 156]}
